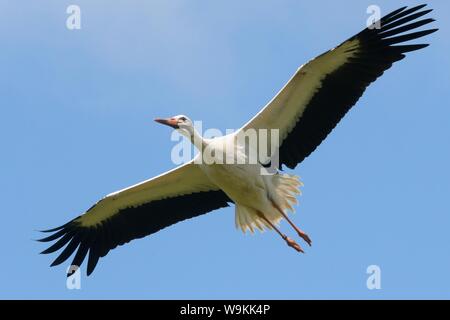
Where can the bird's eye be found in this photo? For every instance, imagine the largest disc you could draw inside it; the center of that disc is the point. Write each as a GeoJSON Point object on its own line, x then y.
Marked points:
{"type": "Point", "coordinates": [183, 119]}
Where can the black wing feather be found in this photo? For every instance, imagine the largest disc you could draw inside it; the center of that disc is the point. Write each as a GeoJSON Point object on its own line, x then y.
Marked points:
{"type": "Point", "coordinates": [341, 89]}
{"type": "Point", "coordinates": [128, 224]}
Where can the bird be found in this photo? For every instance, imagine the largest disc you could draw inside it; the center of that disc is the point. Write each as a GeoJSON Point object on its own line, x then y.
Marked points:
{"type": "Point", "coordinates": [302, 113]}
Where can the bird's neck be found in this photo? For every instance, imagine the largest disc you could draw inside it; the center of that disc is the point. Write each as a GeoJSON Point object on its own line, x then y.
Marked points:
{"type": "Point", "coordinates": [195, 137]}
{"type": "Point", "coordinates": [197, 140]}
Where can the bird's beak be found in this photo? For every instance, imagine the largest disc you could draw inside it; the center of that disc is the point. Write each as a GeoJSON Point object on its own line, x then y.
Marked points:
{"type": "Point", "coordinates": [168, 122]}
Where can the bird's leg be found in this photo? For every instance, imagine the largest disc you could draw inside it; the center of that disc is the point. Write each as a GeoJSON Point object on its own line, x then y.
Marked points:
{"type": "Point", "coordinates": [291, 243]}
{"type": "Point", "coordinates": [300, 233]}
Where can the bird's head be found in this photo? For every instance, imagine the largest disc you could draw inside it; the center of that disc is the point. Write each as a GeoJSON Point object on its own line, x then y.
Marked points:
{"type": "Point", "coordinates": [181, 123]}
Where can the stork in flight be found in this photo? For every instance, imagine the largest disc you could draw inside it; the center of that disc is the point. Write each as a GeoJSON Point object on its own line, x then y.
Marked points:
{"type": "Point", "coordinates": [305, 111]}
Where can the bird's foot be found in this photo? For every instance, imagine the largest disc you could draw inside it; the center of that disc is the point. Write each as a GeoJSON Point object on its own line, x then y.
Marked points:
{"type": "Point", "coordinates": [291, 243]}
{"type": "Point", "coordinates": [305, 237]}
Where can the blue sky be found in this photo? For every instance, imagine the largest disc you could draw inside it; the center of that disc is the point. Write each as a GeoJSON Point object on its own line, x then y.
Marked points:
{"type": "Point", "coordinates": [76, 124]}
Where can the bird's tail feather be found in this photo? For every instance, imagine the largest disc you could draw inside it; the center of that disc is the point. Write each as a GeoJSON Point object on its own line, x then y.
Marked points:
{"type": "Point", "coordinates": [286, 189]}
{"type": "Point", "coordinates": [248, 219]}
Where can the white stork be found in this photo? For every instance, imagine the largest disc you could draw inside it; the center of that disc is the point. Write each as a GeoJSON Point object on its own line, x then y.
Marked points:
{"type": "Point", "coordinates": [305, 111]}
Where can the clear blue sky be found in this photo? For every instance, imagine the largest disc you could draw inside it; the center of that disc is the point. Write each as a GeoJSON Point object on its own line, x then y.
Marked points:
{"type": "Point", "coordinates": [76, 124]}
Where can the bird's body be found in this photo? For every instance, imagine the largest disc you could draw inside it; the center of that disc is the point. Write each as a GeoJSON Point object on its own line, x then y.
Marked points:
{"type": "Point", "coordinates": [242, 183]}
{"type": "Point", "coordinates": [302, 114]}
{"type": "Point", "coordinates": [251, 192]}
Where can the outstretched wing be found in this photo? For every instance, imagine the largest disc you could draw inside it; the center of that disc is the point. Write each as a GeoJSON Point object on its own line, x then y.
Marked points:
{"type": "Point", "coordinates": [136, 212]}
{"type": "Point", "coordinates": [322, 91]}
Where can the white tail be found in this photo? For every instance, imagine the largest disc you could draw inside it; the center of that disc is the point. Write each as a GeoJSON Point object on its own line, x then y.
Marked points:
{"type": "Point", "coordinates": [284, 189]}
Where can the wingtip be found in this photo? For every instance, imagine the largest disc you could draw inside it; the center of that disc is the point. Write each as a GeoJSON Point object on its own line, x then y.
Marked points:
{"type": "Point", "coordinates": [54, 229]}
{"type": "Point", "coordinates": [420, 6]}
{"type": "Point", "coordinates": [430, 31]}
{"type": "Point", "coordinates": [44, 231]}
{"type": "Point", "coordinates": [434, 30]}
{"type": "Point", "coordinates": [48, 250]}
{"type": "Point", "coordinates": [57, 261]}
{"type": "Point", "coordinates": [89, 269]}
{"type": "Point", "coordinates": [399, 10]}
{"type": "Point", "coordinates": [52, 237]}
{"type": "Point", "coordinates": [44, 252]}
